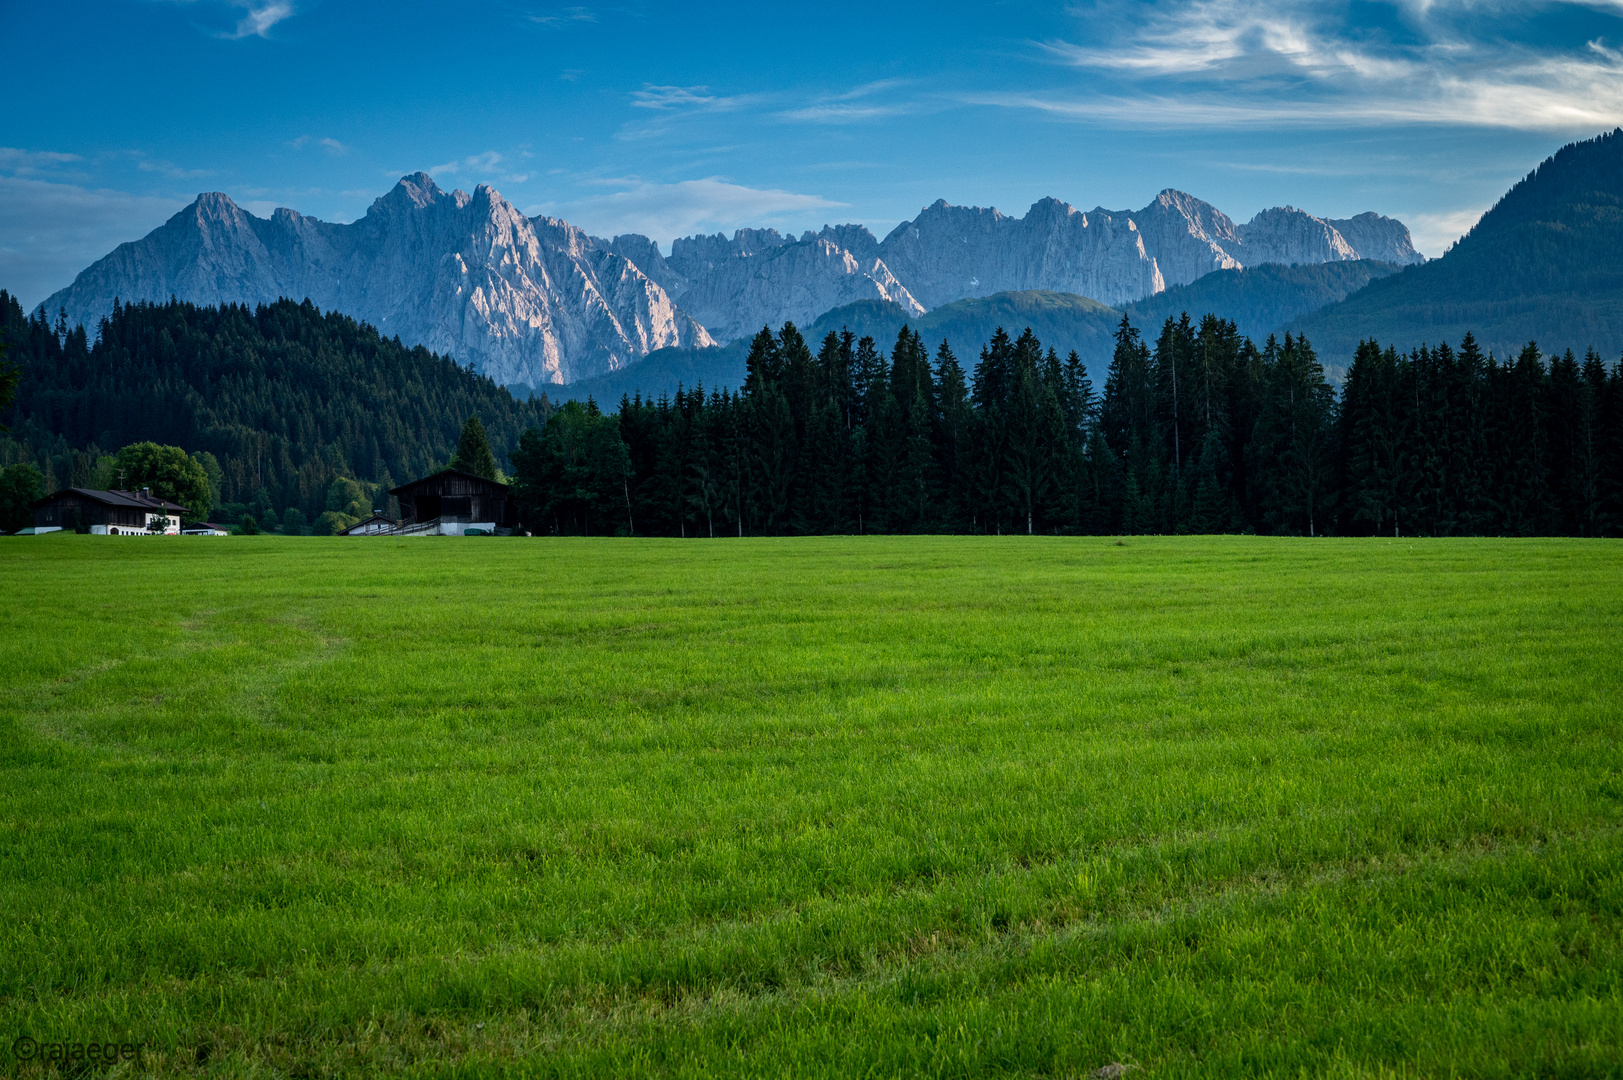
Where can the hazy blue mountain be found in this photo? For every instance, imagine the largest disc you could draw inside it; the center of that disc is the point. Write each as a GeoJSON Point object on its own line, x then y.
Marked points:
{"type": "Point", "coordinates": [1062, 320]}
{"type": "Point", "coordinates": [1259, 299]}
{"type": "Point", "coordinates": [660, 372]}
{"type": "Point", "coordinates": [1545, 264]}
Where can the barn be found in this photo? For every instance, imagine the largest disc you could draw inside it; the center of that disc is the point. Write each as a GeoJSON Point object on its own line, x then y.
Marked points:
{"type": "Point", "coordinates": [453, 503]}
{"type": "Point", "coordinates": [108, 513]}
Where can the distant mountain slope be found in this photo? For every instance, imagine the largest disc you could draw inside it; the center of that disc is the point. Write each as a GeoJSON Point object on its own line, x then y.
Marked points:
{"type": "Point", "coordinates": [1259, 299]}
{"type": "Point", "coordinates": [523, 300]}
{"type": "Point", "coordinates": [661, 372]}
{"type": "Point", "coordinates": [949, 253]}
{"type": "Point", "coordinates": [1059, 319]}
{"type": "Point", "coordinates": [1062, 320]}
{"type": "Point", "coordinates": [1545, 264]}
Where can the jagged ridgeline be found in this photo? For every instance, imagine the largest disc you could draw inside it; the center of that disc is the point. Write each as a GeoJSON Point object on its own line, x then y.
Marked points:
{"type": "Point", "coordinates": [288, 398]}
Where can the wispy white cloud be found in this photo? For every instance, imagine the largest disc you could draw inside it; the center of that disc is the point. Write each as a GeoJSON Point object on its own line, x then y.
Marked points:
{"type": "Point", "coordinates": [1434, 233]}
{"type": "Point", "coordinates": [869, 101]}
{"type": "Point", "coordinates": [474, 163]}
{"type": "Point", "coordinates": [260, 19]}
{"type": "Point", "coordinates": [682, 99]}
{"type": "Point", "coordinates": [488, 166]}
{"type": "Point", "coordinates": [1295, 62]}
{"type": "Point", "coordinates": [332, 146]}
{"type": "Point", "coordinates": [567, 16]}
{"type": "Point", "coordinates": [169, 169]}
{"type": "Point", "coordinates": [37, 163]}
{"type": "Point", "coordinates": [666, 211]}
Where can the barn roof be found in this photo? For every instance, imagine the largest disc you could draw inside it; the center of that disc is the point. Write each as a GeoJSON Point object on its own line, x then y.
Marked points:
{"type": "Point", "coordinates": [406, 489]}
{"type": "Point", "coordinates": [364, 522]}
{"type": "Point", "coordinates": [132, 499]}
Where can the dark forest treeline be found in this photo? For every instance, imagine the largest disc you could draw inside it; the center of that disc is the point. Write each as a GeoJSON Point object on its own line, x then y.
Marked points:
{"type": "Point", "coordinates": [286, 398]}
{"type": "Point", "coordinates": [1200, 431]}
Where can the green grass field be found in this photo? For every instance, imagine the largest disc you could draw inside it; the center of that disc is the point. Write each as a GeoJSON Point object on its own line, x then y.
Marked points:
{"type": "Point", "coordinates": [865, 807]}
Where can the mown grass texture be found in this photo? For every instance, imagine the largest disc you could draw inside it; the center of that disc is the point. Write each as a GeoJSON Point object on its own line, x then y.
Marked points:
{"type": "Point", "coordinates": [863, 806]}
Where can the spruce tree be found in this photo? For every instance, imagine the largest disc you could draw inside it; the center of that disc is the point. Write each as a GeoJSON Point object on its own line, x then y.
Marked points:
{"type": "Point", "coordinates": [954, 432]}
{"type": "Point", "coordinates": [473, 453]}
{"type": "Point", "coordinates": [1294, 443]}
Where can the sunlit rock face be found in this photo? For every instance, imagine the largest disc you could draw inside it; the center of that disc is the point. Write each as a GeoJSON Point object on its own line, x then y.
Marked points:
{"type": "Point", "coordinates": [760, 277]}
{"type": "Point", "coordinates": [522, 300]}
{"type": "Point", "coordinates": [1373, 236]}
{"type": "Point", "coordinates": [735, 285]}
{"type": "Point", "coordinates": [950, 253]}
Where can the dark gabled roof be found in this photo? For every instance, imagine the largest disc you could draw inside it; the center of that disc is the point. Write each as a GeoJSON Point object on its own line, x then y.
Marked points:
{"type": "Point", "coordinates": [114, 498]}
{"type": "Point", "coordinates": [368, 521]}
{"type": "Point", "coordinates": [445, 472]}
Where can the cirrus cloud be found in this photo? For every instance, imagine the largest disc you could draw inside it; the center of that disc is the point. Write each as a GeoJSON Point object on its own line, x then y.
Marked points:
{"type": "Point", "coordinates": [1293, 63]}
{"type": "Point", "coordinates": [666, 211]}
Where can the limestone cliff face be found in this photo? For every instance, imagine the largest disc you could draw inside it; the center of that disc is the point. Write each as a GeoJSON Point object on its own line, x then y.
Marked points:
{"type": "Point", "coordinates": [796, 281]}
{"type": "Point", "coordinates": [1377, 237]}
{"type": "Point", "coordinates": [1287, 235]}
{"type": "Point", "coordinates": [523, 301]}
{"type": "Point", "coordinates": [951, 252]}
{"type": "Point", "coordinates": [735, 285]}
{"type": "Point", "coordinates": [1187, 237]}
{"type": "Point", "coordinates": [854, 238]}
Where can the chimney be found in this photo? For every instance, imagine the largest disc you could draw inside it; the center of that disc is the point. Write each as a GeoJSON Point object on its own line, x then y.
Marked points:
{"type": "Point", "coordinates": [146, 493]}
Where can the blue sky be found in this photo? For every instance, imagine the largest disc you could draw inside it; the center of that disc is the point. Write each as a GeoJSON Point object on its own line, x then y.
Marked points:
{"type": "Point", "coordinates": [670, 119]}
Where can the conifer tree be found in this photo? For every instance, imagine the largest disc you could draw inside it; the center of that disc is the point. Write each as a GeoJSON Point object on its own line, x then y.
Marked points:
{"type": "Point", "coordinates": [473, 453]}
{"type": "Point", "coordinates": [1293, 443]}
{"type": "Point", "coordinates": [953, 439]}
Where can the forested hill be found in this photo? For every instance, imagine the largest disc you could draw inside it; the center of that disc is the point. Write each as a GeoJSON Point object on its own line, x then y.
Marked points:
{"type": "Point", "coordinates": [1260, 300]}
{"type": "Point", "coordinates": [1545, 264]}
{"type": "Point", "coordinates": [1065, 321]}
{"type": "Point", "coordinates": [288, 398]}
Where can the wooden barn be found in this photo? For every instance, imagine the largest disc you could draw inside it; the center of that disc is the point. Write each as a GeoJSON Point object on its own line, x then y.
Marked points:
{"type": "Point", "coordinates": [107, 513]}
{"type": "Point", "coordinates": [452, 503]}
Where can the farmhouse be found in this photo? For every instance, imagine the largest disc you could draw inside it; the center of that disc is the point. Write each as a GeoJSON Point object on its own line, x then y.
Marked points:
{"type": "Point", "coordinates": [452, 503]}
{"type": "Point", "coordinates": [108, 513]}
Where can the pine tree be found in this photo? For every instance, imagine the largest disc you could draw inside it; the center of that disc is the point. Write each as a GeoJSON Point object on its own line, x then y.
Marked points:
{"type": "Point", "coordinates": [1522, 481]}
{"type": "Point", "coordinates": [1294, 442]}
{"type": "Point", "coordinates": [1131, 429]}
{"type": "Point", "coordinates": [473, 451]}
{"type": "Point", "coordinates": [953, 435]}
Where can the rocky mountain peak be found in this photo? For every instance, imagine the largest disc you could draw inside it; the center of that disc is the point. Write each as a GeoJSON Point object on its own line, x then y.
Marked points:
{"type": "Point", "coordinates": [214, 206]}
{"type": "Point", "coordinates": [854, 238]}
{"type": "Point", "coordinates": [416, 188]}
{"type": "Point", "coordinates": [1049, 207]}
{"type": "Point", "coordinates": [466, 275]}
{"type": "Point", "coordinates": [1374, 236]}
{"type": "Point", "coordinates": [1284, 234]}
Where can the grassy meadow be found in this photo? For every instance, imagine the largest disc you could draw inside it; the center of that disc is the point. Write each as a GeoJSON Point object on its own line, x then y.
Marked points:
{"type": "Point", "coordinates": [873, 807]}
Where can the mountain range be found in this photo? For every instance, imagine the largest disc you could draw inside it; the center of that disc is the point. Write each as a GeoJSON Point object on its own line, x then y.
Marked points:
{"type": "Point", "coordinates": [536, 301]}
{"type": "Point", "coordinates": [1257, 299]}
